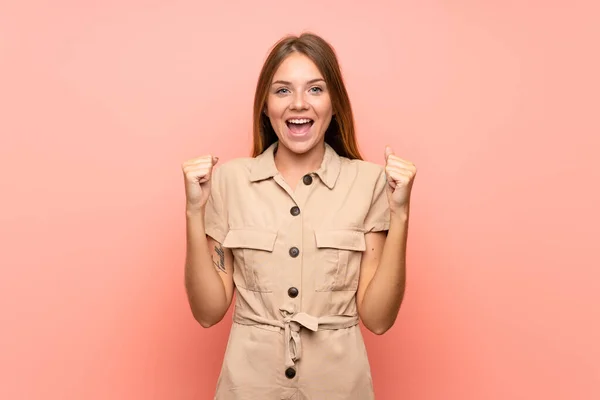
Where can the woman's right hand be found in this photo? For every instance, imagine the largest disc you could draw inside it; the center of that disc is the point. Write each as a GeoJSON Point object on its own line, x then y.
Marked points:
{"type": "Point", "coordinates": [197, 174]}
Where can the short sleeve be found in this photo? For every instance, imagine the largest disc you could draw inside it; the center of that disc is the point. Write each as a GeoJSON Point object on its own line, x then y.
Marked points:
{"type": "Point", "coordinates": [215, 216]}
{"type": "Point", "coordinates": [378, 216]}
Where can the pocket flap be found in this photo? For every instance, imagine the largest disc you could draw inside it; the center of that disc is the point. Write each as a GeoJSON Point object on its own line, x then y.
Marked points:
{"type": "Point", "coordinates": [250, 239]}
{"type": "Point", "coordinates": [346, 239]}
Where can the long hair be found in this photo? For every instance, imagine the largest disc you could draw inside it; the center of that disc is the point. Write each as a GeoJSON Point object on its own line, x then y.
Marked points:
{"type": "Point", "coordinates": [340, 134]}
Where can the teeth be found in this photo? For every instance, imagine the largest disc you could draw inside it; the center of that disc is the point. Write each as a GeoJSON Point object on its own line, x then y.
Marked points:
{"type": "Point", "coordinates": [299, 121]}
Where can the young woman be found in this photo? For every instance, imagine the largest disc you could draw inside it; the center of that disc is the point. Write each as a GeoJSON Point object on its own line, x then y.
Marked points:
{"type": "Point", "coordinates": [308, 235]}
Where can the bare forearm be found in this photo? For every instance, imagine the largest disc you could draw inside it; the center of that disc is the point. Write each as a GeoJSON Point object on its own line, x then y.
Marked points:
{"type": "Point", "coordinates": [385, 292]}
{"type": "Point", "coordinates": [205, 289]}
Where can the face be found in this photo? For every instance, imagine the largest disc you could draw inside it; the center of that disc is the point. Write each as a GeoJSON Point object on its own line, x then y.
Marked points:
{"type": "Point", "coordinates": [298, 104]}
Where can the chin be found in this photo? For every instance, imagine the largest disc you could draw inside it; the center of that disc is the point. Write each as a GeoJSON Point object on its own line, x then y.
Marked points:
{"type": "Point", "coordinates": [301, 149]}
{"type": "Point", "coordinates": [300, 146]}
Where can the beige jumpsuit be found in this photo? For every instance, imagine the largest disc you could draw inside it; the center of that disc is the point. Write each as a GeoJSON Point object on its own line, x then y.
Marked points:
{"type": "Point", "coordinates": [297, 254]}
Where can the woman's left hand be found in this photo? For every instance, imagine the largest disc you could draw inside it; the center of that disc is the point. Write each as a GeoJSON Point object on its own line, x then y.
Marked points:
{"type": "Point", "coordinates": [400, 177]}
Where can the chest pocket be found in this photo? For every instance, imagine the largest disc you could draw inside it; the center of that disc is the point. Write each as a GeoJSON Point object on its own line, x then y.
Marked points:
{"type": "Point", "coordinates": [252, 253]}
{"type": "Point", "coordinates": [339, 252]}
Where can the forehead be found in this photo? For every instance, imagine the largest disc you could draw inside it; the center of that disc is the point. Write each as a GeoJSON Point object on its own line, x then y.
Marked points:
{"type": "Point", "coordinates": [297, 66]}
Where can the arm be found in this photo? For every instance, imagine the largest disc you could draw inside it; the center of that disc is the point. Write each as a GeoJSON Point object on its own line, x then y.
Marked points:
{"type": "Point", "coordinates": [208, 273]}
{"type": "Point", "coordinates": [383, 275]}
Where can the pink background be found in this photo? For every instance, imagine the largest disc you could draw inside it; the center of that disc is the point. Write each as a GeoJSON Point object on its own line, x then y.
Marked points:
{"type": "Point", "coordinates": [496, 102]}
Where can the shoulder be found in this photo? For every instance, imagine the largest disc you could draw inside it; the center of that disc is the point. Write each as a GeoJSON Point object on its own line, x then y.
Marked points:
{"type": "Point", "coordinates": [233, 169]}
{"type": "Point", "coordinates": [363, 169]}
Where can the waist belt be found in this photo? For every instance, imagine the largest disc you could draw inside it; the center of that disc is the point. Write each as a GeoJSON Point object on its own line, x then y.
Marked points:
{"type": "Point", "coordinates": [291, 325]}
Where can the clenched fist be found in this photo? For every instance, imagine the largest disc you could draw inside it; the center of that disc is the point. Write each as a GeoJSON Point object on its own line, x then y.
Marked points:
{"type": "Point", "coordinates": [400, 175]}
{"type": "Point", "coordinates": [197, 173]}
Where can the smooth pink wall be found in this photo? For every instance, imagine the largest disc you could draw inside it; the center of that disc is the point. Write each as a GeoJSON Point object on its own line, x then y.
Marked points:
{"type": "Point", "coordinates": [496, 102]}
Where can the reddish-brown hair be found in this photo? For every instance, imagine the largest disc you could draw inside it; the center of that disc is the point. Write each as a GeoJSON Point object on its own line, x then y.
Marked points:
{"type": "Point", "coordinates": [340, 134]}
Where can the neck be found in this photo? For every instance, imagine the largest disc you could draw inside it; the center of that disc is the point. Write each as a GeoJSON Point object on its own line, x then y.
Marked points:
{"type": "Point", "coordinates": [293, 164]}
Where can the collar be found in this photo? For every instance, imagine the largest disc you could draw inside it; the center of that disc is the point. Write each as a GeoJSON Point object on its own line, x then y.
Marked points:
{"type": "Point", "coordinates": [263, 166]}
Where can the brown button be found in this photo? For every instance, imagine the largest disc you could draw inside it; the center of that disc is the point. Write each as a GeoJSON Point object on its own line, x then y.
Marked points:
{"type": "Point", "coordinates": [290, 373]}
{"type": "Point", "coordinates": [292, 292]}
{"type": "Point", "coordinates": [307, 179]}
{"type": "Point", "coordinates": [295, 210]}
{"type": "Point", "coordinates": [294, 252]}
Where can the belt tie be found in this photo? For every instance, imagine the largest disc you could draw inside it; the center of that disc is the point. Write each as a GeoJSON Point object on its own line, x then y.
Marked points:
{"type": "Point", "coordinates": [292, 323]}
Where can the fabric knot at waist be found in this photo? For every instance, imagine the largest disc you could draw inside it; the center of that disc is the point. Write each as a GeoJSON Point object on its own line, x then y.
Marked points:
{"type": "Point", "coordinates": [292, 323]}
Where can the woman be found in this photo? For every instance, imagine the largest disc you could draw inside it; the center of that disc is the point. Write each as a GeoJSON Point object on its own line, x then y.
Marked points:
{"type": "Point", "coordinates": [309, 236]}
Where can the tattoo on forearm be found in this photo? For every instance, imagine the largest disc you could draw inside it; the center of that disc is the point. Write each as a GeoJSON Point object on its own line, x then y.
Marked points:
{"type": "Point", "coordinates": [220, 264]}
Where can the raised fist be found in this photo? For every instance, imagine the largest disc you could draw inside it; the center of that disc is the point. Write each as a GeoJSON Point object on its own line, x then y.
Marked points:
{"type": "Point", "coordinates": [197, 174]}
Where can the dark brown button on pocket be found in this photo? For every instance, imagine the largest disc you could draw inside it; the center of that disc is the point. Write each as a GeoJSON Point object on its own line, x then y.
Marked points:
{"type": "Point", "coordinates": [295, 210]}
{"type": "Point", "coordinates": [307, 179]}
{"type": "Point", "coordinates": [292, 292]}
{"type": "Point", "coordinates": [294, 252]}
{"type": "Point", "coordinates": [290, 373]}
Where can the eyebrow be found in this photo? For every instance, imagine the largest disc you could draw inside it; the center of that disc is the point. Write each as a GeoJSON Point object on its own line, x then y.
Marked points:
{"type": "Point", "coordinates": [289, 83]}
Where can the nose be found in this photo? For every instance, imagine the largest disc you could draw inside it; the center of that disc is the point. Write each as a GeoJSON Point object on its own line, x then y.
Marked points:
{"type": "Point", "coordinates": [299, 101]}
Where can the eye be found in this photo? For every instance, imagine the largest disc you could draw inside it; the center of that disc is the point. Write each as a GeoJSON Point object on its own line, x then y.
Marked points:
{"type": "Point", "coordinates": [316, 89]}
{"type": "Point", "coordinates": [281, 90]}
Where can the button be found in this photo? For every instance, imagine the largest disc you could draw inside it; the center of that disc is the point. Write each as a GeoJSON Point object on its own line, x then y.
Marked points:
{"type": "Point", "coordinates": [292, 292]}
{"type": "Point", "coordinates": [307, 179]}
{"type": "Point", "coordinates": [295, 210]}
{"type": "Point", "coordinates": [294, 252]}
{"type": "Point", "coordinates": [290, 372]}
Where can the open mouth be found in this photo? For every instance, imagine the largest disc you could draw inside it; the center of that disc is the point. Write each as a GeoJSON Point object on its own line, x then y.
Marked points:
{"type": "Point", "coordinates": [299, 126]}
